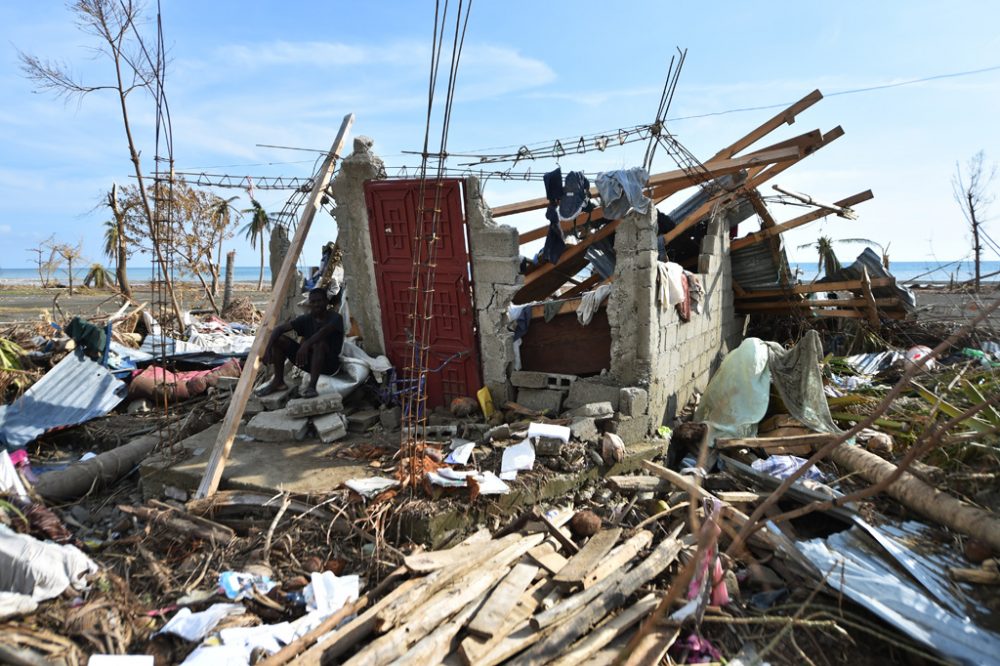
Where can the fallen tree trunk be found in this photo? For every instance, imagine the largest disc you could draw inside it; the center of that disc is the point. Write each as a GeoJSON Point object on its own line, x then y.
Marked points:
{"type": "Point", "coordinates": [80, 478]}
{"type": "Point", "coordinates": [922, 498]}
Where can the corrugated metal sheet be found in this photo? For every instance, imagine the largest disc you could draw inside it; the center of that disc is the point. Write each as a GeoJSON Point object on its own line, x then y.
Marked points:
{"type": "Point", "coordinates": [754, 267]}
{"type": "Point", "coordinates": [76, 390]}
{"type": "Point", "coordinates": [868, 259]}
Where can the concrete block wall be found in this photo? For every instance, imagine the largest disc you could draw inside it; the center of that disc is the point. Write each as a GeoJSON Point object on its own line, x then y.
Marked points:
{"type": "Point", "coordinates": [494, 256]}
{"type": "Point", "coordinates": [352, 225]}
{"type": "Point", "coordinates": [651, 347]}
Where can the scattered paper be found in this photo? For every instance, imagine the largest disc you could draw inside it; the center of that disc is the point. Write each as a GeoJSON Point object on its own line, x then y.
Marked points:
{"type": "Point", "coordinates": [195, 626]}
{"type": "Point", "coordinates": [371, 486]}
{"type": "Point", "coordinates": [87, 456]}
{"type": "Point", "coordinates": [328, 593]}
{"type": "Point", "coordinates": [489, 483]}
{"type": "Point", "coordinates": [517, 458]}
{"type": "Point", "coordinates": [120, 660]}
{"type": "Point", "coordinates": [549, 430]}
{"type": "Point", "coordinates": [460, 454]}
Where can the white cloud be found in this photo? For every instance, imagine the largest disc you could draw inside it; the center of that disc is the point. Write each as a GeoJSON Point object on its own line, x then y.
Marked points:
{"type": "Point", "coordinates": [5, 229]}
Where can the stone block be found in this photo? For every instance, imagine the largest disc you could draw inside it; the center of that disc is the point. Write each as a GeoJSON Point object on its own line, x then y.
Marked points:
{"type": "Point", "coordinates": [277, 426]}
{"type": "Point", "coordinates": [330, 427]}
{"type": "Point", "coordinates": [633, 429]}
{"type": "Point", "coordinates": [584, 428]}
{"type": "Point", "coordinates": [363, 420]}
{"type": "Point", "coordinates": [595, 410]}
{"type": "Point", "coordinates": [633, 401]}
{"type": "Point", "coordinates": [541, 400]}
{"type": "Point", "coordinates": [321, 404]}
{"type": "Point", "coordinates": [441, 431]}
{"type": "Point", "coordinates": [390, 417]}
{"type": "Point", "coordinates": [541, 380]}
{"type": "Point", "coordinates": [276, 400]}
{"type": "Point", "coordinates": [253, 406]}
{"type": "Point", "coordinates": [584, 392]}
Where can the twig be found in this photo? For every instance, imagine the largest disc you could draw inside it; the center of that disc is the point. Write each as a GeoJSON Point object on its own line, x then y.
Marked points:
{"type": "Point", "coordinates": [286, 499]}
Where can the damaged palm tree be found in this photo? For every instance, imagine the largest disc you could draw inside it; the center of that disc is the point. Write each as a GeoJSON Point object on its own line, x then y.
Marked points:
{"type": "Point", "coordinates": [115, 25]}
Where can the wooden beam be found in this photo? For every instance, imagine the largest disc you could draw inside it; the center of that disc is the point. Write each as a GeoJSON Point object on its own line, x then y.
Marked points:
{"type": "Point", "coordinates": [816, 287]}
{"type": "Point", "coordinates": [585, 561]}
{"type": "Point", "coordinates": [811, 216]}
{"type": "Point", "coordinates": [824, 303]}
{"type": "Point", "coordinates": [543, 274]}
{"type": "Point", "coordinates": [872, 304]}
{"type": "Point", "coordinates": [784, 117]}
{"type": "Point", "coordinates": [224, 441]}
{"type": "Point", "coordinates": [592, 282]}
{"type": "Point", "coordinates": [814, 440]}
{"type": "Point", "coordinates": [767, 173]}
{"type": "Point", "coordinates": [568, 306]}
{"type": "Point", "coordinates": [772, 167]}
{"type": "Point", "coordinates": [662, 184]}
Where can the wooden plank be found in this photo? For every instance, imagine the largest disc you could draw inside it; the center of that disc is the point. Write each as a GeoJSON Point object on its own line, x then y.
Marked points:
{"type": "Point", "coordinates": [425, 563]}
{"type": "Point", "coordinates": [593, 281]}
{"type": "Point", "coordinates": [565, 267]}
{"type": "Point", "coordinates": [501, 601]}
{"type": "Point", "coordinates": [871, 308]}
{"type": "Point", "coordinates": [638, 484]}
{"type": "Point", "coordinates": [568, 306]}
{"type": "Point", "coordinates": [618, 558]}
{"type": "Point", "coordinates": [821, 303]}
{"type": "Point", "coordinates": [811, 216]}
{"type": "Point", "coordinates": [764, 173]}
{"type": "Point", "coordinates": [786, 116]}
{"type": "Point", "coordinates": [677, 178]}
{"type": "Point", "coordinates": [473, 649]}
{"type": "Point", "coordinates": [761, 176]}
{"type": "Point", "coordinates": [815, 287]}
{"type": "Point", "coordinates": [813, 439]}
{"type": "Point", "coordinates": [557, 531]}
{"type": "Point", "coordinates": [607, 632]}
{"type": "Point", "coordinates": [547, 556]}
{"type": "Point", "coordinates": [224, 441]}
{"type": "Point", "coordinates": [585, 561]}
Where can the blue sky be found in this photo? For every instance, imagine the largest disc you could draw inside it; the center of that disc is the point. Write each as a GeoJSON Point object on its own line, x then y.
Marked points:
{"type": "Point", "coordinates": [258, 72]}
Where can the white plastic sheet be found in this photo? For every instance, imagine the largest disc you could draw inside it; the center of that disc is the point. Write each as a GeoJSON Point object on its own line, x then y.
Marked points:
{"type": "Point", "coordinates": [33, 570]}
{"type": "Point", "coordinates": [517, 458]}
{"type": "Point", "coordinates": [195, 626]}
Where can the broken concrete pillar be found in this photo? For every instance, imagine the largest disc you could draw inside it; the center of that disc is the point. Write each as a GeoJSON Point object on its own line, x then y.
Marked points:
{"type": "Point", "coordinates": [494, 254]}
{"type": "Point", "coordinates": [278, 246]}
{"type": "Point", "coordinates": [353, 236]}
{"type": "Point", "coordinates": [277, 426]}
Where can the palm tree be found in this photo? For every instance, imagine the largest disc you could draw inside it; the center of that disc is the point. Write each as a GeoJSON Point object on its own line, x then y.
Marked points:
{"type": "Point", "coordinates": [219, 214]}
{"type": "Point", "coordinates": [828, 259]}
{"type": "Point", "coordinates": [98, 277]}
{"type": "Point", "coordinates": [114, 241]}
{"type": "Point", "coordinates": [254, 231]}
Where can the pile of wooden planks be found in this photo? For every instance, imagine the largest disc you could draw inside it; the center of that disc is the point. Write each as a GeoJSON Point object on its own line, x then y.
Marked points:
{"type": "Point", "coordinates": [532, 596]}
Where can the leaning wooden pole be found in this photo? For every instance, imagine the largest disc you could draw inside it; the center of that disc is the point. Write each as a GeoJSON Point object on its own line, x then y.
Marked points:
{"type": "Point", "coordinates": [224, 442]}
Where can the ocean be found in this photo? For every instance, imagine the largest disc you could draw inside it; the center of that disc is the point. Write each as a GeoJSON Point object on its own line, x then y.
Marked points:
{"type": "Point", "coordinates": [135, 274]}
{"type": "Point", "coordinates": [905, 271]}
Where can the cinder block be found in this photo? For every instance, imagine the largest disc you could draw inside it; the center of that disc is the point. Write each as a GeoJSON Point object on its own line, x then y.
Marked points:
{"type": "Point", "coordinates": [495, 243]}
{"type": "Point", "coordinates": [277, 426]}
{"type": "Point", "coordinates": [541, 380]}
{"type": "Point", "coordinates": [633, 429]}
{"type": "Point", "coordinates": [495, 270]}
{"type": "Point", "coordinates": [633, 401]}
{"type": "Point", "coordinates": [595, 410]}
{"type": "Point", "coordinates": [321, 404]}
{"type": "Point", "coordinates": [330, 427]}
{"type": "Point", "coordinates": [585, 391]}
{"type": "Point", "coordinates": [584, 428]}
{"type": "Point", "coordinates": [541, 400]}
{"type": "Point", "coordinates": [363, 420]}
{"type": "Point", "coordinates": [276, 400]}
{"type": "Point", "coordinates": [253, 407]}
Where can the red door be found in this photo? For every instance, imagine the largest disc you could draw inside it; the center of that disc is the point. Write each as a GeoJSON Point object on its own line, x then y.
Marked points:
{"type": "Point", "coordinates": [392, 215]}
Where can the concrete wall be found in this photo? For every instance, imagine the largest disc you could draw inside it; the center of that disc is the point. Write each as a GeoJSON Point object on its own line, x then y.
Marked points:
{"type": "Point", "coordinates": [352, 226]}
{"type": "Point", "coordinates": [494, 256]}
{"type": "Point", "coordinates": [651, 347]}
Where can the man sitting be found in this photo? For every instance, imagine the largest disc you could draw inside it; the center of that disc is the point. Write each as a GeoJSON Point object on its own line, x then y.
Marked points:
{"type": "Point", "coordinates": [318, 352]}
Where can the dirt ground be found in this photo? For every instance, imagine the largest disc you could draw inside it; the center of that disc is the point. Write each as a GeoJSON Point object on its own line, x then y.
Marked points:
{"type": "Point", "coordinates": [28, 303]}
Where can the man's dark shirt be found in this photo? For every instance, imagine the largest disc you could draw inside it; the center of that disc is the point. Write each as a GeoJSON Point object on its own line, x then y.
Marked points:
{"type": "Point", "coordinates": [307, 326]}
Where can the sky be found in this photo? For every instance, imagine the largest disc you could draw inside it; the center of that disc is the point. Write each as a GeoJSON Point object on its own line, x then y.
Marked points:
{"type": "Point", "coordinates": [256, 72]}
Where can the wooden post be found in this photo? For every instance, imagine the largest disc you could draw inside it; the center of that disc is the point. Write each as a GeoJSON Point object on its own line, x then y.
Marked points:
{"type": "Point", "coordinates": [872, 308]}
{"type": "Point", "coordinates": [224, 442]}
